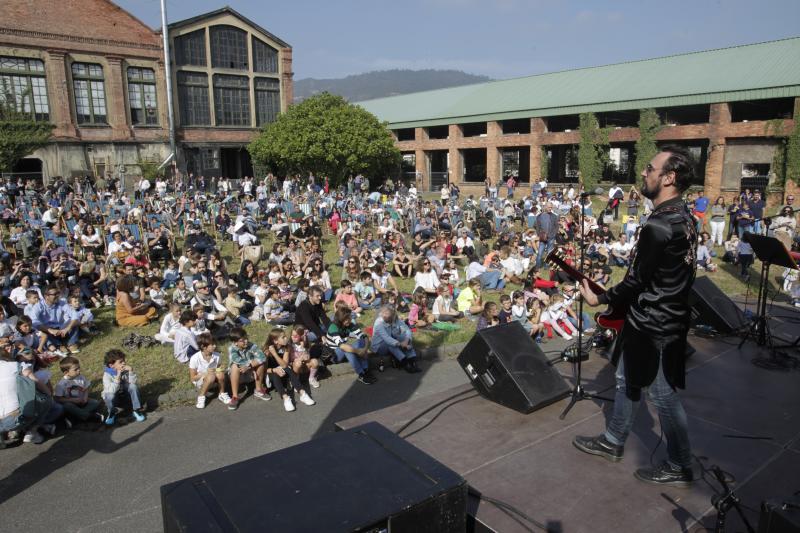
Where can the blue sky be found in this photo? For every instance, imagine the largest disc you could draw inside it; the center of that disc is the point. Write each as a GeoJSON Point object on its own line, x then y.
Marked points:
{"type": "Point", "coordinates": [497, 38]}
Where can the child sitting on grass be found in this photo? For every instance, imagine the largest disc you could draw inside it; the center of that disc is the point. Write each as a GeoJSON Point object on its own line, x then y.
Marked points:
{"type": "Point", "coordinates": [169, 325]}
{"type": "Point", "coordinates": [79, 313]}
{"type": "Point", "coordinates": [72, 392]}
{"type": "Point", "coordinates": [184, 338]}
{"type": "Point", "coordinates": [119, 379]}
{"type": "Point", "coordinates": [247, 363]}
{"type": "Point", "coordinates": [347, 296]}
{"type": "Point", "coordinates": [205, 371]}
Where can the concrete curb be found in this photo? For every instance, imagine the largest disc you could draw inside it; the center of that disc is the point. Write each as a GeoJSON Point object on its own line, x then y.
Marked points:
{"type": "Point", "coordinates": [432, 354]}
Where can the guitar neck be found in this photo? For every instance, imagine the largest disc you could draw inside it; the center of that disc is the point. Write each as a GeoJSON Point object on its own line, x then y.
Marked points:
{"type": "Point", "coordinates": [572, 272]}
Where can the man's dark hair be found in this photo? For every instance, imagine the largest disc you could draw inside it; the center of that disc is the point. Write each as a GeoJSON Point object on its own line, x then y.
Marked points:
{"type": "Point", "coordinates": [237, 334]}
{"type": "Point", "coordinates": [315, 289]}
{"type": "Point", "coordinates": [681, 162]}
{"type": "Point", "coordinates": [186, 317]}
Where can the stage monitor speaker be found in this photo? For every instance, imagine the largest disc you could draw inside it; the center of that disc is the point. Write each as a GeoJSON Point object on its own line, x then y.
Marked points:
{"type": "Point", "coordinates": [363, 479]}
{"type": "Point", "coordinates": [507, 367]}
{"type": "Point", "coordinates": [779, 518]}
{"type": "Point", "coordinates": [712, 307]}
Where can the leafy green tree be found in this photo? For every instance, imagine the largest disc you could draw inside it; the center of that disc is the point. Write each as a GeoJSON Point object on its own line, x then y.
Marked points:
{"type": "Point", "coordinates": [592, 150]}
{"type": "Point", "coordinates": [20, 134]}
{"type": "Point", "coordinates": [328, 136]}
{"type": "Point", "coordinates": [646, 148]}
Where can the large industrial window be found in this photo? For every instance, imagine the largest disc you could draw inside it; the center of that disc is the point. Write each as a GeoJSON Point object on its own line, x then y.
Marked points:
{"type": "Point", "coordinates": [228, 47]}
{"type": "Point", "coordinates": [23, 81]}
{"type": "Point", "coordinates": [190, 49]}
{"type": "Point", "coordinates": [193, 97]}
{"type": "Point", "coordinates": [90, 93]}
{"type": "Point", "coordinates": [232, 100]}
{"type": "Point", "coordinates": [142, 96]}
{"type": "Point", "coordinates": [265, 58]}
{"type": "Point", "coordinates": [268, 100]}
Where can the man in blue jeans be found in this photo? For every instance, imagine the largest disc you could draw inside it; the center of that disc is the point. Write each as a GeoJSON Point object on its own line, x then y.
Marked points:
{"type": "Point", "coordinates": [652, 343]}
{"type": "Point", "coordinates": [546, 228]}
{"type": "Point", "coordinates": [51, 317]}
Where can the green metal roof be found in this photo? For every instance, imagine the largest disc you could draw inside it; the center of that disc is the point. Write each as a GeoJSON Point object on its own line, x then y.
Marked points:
{"type": "Point", "coordinates": [748, 72]}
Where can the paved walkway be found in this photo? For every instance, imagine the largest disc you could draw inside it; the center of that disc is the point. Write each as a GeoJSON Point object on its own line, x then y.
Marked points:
{"type": "Point", "coordinates": [109, 480]}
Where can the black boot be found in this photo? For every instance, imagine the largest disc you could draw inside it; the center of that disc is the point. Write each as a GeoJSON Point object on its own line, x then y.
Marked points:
{"type": "Point", "coordinates": [411, 366]}
{"type": "Point", "coordinates": [599, 446]}
{"type": "Point", "coordinates": [666, 474]}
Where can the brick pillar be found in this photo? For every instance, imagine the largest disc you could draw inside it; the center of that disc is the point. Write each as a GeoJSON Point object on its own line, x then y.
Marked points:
{"type": "Point", "coordinates": [455, 168]}
{"type": "Point", "coordinates": [59, 94]}
{"type": "Point", "coordinates": [161, 98]}
{"type": "Point", "coordinates": [493, 129]}
{"type": "Point", "coordinates": [493, 163]}
{"type": "Point", "coordinates": [454, 132]}
{"type": "Point", "coordinates": [538, 128]}
{"type": "Point", "coordinates": [421, 168]}
{"type": "Point", "coordinates": [719, 120]}
{"type": "Point", "coordinates": [419, 134]}
{"type": "Point", "coordinates": [287, 82]}
{"type": "Point", "coordinates": [115, 99]}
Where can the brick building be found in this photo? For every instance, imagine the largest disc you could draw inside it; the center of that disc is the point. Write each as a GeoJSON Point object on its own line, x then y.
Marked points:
{"type": "Point", "coordinates": [97, 73]}
{"type": "Point", "coordinates": [725, 105]}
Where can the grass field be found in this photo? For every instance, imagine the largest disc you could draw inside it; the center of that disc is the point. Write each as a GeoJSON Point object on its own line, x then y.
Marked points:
{"type": "Point", "coordinates": [159, 373]}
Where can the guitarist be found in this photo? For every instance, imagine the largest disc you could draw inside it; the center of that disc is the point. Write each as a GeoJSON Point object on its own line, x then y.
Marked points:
{"type": "Point", "coordinates": [652, 343]}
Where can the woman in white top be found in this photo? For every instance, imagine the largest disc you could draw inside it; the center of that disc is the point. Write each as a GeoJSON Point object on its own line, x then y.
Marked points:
{"type": "Point", "coordinates": [427, 279]}
{"type": "Point", "coordinates": [18, 293]}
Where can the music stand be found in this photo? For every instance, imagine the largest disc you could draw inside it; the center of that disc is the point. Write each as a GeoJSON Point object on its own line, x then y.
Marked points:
{"type": "Point", "coordinates": [770, 251]}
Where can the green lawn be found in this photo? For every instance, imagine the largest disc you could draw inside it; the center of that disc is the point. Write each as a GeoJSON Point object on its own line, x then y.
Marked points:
{"type": "Point", "coordinates": [160, 373]}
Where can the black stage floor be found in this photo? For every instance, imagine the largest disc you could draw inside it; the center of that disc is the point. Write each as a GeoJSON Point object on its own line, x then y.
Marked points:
{"type": "Point", "coordinates": [743, 418]}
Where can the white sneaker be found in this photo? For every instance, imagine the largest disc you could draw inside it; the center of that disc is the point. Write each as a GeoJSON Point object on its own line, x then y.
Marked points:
{"type": "Point", "coordinates": [33, 436]}
{"type": "Point", "coordinates": [288, 405]}
{"type": "Point", "coordinates": [201, 402]}
{"type": "Point", "coordinates": [314, 382]}
{"type": "Point", "coordinates": [306, 399]}
{"type": "Point", "coordinates": [224, 398]}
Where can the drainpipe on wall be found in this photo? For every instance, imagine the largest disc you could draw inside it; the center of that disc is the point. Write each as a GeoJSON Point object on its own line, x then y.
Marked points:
{"type": "Point", "coordinates": [168, 74]}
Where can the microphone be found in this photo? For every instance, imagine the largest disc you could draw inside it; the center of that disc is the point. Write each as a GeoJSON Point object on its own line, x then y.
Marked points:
{"type": "Point", "coordinates": [598, 190]}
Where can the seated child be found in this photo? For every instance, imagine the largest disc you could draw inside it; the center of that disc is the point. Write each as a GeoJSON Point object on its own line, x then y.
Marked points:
{"type": "Point", "coordinates": [300, 356]}
{"type": "Point", "coordinates": [169, 325]}
{"type": "Point", "coordinates": [72, 392]}
{"type": "Point", "coordinates": [443, 306]}
{"type": "Point", "coordinates": [347, 296]}
{"type": "Point", "coordinates": [278, 350]}
{"type": "Point", "coordinates": [246, 363]}
{"type": "Point", "coordinates": [365, 292]}
{"type": "Point", "coordinates": [156, 293]}
{"type": "Point", "coordinates": [119, 379]}
{"type": "Point", "coordinates": [205, 370]}
{"type": "Point", "coordinates": [185, 341]}
{"type": "Point", "coordinates": [273, 309]}
{"type": "Point", "coordinates": [201, 319]}
{"type": "Point", "coordinates": [171, 275]}
{"type": "Point", "coordinates": [418, 315]}
{"type": "Point", "coordinates": [77, 311]}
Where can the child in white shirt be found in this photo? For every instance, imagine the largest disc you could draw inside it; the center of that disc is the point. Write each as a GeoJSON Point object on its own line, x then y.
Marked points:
{"type": "Point", "coordinates": [555, 316]}
{"type": "Point", "coordinates": [185, 340]}
{"type": "Point", "coordinates": [157, 294]}
{"type": "Point", "coordinates": [169, 325]}
{"type": "Point", "coordinates": [205, 370]}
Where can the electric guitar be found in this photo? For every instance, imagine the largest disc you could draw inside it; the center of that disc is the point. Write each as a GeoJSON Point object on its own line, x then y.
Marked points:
{"type": "Point", "coordinates": [611, 318]}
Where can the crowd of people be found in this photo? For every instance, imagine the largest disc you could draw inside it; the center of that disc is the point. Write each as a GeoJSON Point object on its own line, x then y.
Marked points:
{"type": "Point", "coordinates": [155, 256]}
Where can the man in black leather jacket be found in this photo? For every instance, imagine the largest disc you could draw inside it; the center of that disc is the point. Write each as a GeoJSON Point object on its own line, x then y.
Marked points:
{"type": "Point", "coordinates": [652, 344]}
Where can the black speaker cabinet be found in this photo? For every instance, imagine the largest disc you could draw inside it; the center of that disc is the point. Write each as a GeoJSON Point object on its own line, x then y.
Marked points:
{"type": "Point", "coordinates": [778, 518]}
{"type": "Point", "coordinates": [507, 367]}
{"type": "Point", "coordinates": [712, 307]}
{"type": "Point", "coordinates": [363, 479]}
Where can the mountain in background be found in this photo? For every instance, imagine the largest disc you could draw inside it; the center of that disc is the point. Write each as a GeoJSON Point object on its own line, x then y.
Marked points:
{"type": "Point", "coordinates": [378, 84]}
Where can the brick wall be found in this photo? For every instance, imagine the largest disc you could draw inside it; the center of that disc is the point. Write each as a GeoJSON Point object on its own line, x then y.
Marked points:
{"type": "Point", "coordinates": [718, 130]}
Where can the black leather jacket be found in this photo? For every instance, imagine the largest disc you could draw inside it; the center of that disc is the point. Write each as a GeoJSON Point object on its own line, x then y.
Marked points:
{"type": "Point", "coordinates": [656, 289]}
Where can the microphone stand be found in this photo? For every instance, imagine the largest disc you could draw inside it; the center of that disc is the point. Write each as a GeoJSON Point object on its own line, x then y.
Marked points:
{"type": "Point", "coordinates": [578, 393]}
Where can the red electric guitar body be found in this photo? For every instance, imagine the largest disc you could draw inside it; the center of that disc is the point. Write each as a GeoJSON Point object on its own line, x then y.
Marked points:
{"type": "Point", "coordinates": [611, 318]}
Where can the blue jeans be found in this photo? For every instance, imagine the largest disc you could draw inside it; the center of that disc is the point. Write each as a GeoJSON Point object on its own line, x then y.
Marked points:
{"type": "Point", "coordinates": [492, 280]}
{"type": "Point", "coordinates": [544, 249]}
{"type": "Point", "coordinates": [670, 413]}
{"type": "Point", "coordinates": [70, 340]}
{"type": "Point", "coordinates": [397, 352]}
{"type": "Point", "coordinates": [359, 364]}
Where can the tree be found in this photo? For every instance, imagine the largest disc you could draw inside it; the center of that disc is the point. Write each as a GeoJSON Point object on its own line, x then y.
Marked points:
{"type": "Point", "coordinates": [20, 134]}
{"type": "Point", "coordinates": [646, 148]}
{"type": "Point", "coordinates": [328, 136]}
{"type": "Point", "coordinates": [592, 150]}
